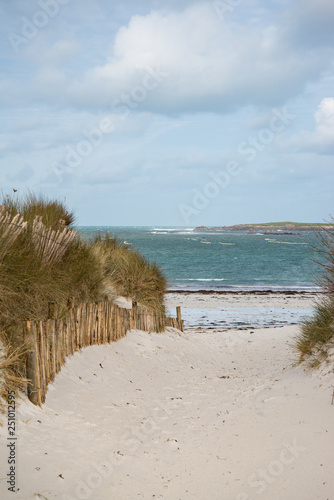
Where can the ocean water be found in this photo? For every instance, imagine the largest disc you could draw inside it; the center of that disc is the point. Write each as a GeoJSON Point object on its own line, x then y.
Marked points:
{"type": "Point", "coordinates": [234, 261]}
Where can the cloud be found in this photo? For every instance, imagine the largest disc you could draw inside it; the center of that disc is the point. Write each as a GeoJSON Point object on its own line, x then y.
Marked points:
{"type": "Point", "coordinates": [209, 65]}
{"type": "Point", "coordinates": [200, 64]}
{"type": "Point", "coordinates": [321, 140]}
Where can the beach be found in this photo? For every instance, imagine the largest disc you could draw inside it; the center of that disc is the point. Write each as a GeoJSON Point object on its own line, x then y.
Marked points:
{"type": "Point", "coordinates": [200, 414]}
{"type": "Point", "coordinates": [217, 300]}
{"type": "Point", "coordinates": [242, 310]}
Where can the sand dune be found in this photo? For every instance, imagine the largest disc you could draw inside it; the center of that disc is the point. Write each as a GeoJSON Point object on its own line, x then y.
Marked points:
{"type": "Point", "coordinates": [203, 415]}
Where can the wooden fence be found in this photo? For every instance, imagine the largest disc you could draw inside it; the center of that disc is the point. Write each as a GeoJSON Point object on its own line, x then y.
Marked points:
{"type": "Point", "coordinates": [50, 242]}
{"type": "Point", "coordinates": [50, 341]}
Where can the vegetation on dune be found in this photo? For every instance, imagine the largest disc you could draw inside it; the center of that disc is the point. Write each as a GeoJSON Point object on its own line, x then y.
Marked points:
{"type": "Point", "coordinates": [128, 273]}
{"type": "Point", "coordinates": [317, 334]}
{"type": "Point", "coordinates": [12, 376]}
{"type": "Point", "coordinates": [51, 210]}
{"type": "Point", "coordinates": [44, 260]}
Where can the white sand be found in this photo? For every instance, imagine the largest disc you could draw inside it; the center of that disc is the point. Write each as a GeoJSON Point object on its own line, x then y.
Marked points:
{"type": "Point", "coordinates": [199, 416]}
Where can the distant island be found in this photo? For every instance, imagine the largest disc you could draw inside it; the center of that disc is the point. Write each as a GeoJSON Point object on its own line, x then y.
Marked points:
{"type": "Point", "coordinates": [270, 226]}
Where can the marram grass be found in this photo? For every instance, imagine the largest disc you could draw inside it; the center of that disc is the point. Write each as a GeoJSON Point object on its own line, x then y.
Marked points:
{"type": "Point", "coordinates": [51, 210]}
{"type": "Point", "coordinates": [129, 274]}
{"type": "Point", "coordinates": [316, 337]}
{"type": "Point", "coordinates": [317, 333]}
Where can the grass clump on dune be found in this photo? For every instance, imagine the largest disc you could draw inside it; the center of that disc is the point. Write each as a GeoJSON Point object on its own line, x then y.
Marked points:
{"type": "Point", "coordinates": [129, 274]}
{"type": "Point", "coordinates": [43, 260]}
{"type": "Point", "coordinates": [317, 334]}
{"type": "Point", "coordinates": [51, 210]}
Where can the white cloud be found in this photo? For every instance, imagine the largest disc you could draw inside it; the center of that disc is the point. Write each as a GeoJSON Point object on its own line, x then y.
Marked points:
{"type": "Point", "coordinates": [324, 117]}
{"type": "Point", "coordinates": [212, 66]}
{"type": "Point", "coordinates": [321, 139]}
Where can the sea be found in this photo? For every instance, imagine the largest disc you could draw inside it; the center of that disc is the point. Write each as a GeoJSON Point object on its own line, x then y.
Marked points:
{"type": "Point", "coordinates": [235, 261]}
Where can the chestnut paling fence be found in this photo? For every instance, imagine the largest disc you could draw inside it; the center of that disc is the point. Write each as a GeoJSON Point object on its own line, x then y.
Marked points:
{"type": "Point", "coordinates": [50, 243]}
{"type": "Point", "coordinates": [51, 341]}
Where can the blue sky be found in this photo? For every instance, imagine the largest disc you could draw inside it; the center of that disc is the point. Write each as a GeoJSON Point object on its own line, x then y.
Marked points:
{"type": "Point", "coordinates": [170, 113]}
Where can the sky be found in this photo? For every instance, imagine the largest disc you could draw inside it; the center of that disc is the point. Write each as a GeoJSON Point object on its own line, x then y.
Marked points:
{"type": "Point", "coordinates": [170, 113]}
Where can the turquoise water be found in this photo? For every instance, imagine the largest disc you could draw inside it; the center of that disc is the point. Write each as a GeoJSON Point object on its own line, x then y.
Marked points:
{"type": "Point", "coordinates": [224, 260]}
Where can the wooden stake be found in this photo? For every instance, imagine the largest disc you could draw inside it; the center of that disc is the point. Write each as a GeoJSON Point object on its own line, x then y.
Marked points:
{"type": "Point", "coordinates": [39, 390]}
{"type": "Point", "coordinates": [71, 303]}
{"type": "Point", "coordinates": [31, 364]}
{"type": "Point", "coordinates": [53, 310]}
{"type": "Point", "coordinates": [178, 314]}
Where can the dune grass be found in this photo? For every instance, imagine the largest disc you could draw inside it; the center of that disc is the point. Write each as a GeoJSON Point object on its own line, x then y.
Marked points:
{"type": "Point", "coordinates": [86, 271]}
{"type": "Point", "coordinates": [31, 205]}
{"type": "Point", "coordinates": [129, 274]}
{"type": "Point", "coordinates": [317, 334]}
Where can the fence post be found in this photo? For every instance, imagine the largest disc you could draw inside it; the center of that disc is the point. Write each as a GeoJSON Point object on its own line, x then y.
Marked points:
{"type": "Point", "coordinates": [71, 303]}
{"type": "Point", "coordinates": [134, 315]}
{"type": "Point", "coordinates": [178, 314]}
{"type": "Point", "coordinates": [32, 387]}
{"type": "Point", "coordinates": [53, 310]}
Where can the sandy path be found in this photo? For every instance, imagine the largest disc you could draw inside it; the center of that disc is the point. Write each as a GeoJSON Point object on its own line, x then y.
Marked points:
{"type": "Point", "coordinates": [202, 416]}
